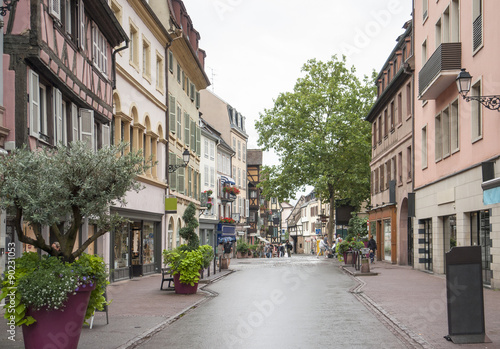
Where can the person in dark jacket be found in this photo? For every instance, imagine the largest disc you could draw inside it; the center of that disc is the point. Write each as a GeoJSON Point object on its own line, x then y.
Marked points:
{"type": "Point", "coordinates": [372, 245]}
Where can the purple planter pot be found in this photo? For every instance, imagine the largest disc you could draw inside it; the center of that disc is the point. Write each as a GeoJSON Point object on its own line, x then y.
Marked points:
{"type": "Point", "coordinates": [181, 288]}
{"type": "Point", "coordinates": [58, 328]}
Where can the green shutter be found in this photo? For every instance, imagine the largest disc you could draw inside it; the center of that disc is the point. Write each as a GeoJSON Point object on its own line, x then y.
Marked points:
{"type": "Point", "coordinates": [190, 190]}
{"type": "Point", "coordinates": [195, 180]}
{"type": "Point", "coordinates": [179, 123]}
{"type": "Point", "coordinates": [198, 140]}
{"type": "Point", "coordinates": [186, 129]}
{"type": "Point", "coordinates": [172, 176]}
{"type": "Point", "coordinates": [171, 114]}
{"type": "Point", "coordinates": [193, 136]}
{"type": "Point", "coordinates": [181, 185]}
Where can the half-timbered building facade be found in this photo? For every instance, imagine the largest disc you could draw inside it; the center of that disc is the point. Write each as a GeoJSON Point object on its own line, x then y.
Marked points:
{"type": "Point", "coordinates": [58, 73]}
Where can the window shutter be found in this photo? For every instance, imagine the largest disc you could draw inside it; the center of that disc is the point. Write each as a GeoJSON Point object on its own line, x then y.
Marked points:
{"type": "Point", "coordinates": [198, 140]}
{"type": "Point", "coordinates": [193, 136]}
{"type": "Point", "coordinates": [190, 182]}
{"type": "Point", "coordinates": [172, 176]}
{"type": "Point", "coordinates": [186, 129]}
{"type": "Point", "coordinates": [87, 126]}
{"type": "Point", "coordinates": [81, 25]}
{"type": "Point", "coordinates": [180, 179]}
{"type": "Point", "coordinates": [179, 123]}
{"type": "Point", "coordinates": [74, 122]}
{"type": "Point", "coordinates": [106, 139]}
{"type": "Point", "coordinates": [58, 122]}
{"type": "Point", "coordinates": [198, 100]}
{"type": "Point", "coordinates": [55, 8]}
{"type": "Point", "coordinates": [34, 104]}
{"type": "Point", "coordinates": [247, 208]}
{"type": "Point", "coordinates": [171, 115]}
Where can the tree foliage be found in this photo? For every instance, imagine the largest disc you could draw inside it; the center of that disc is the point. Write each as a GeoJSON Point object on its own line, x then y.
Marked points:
{"type": "Point", "coordinates": [188, 232]}
{"type": "Point", "coordinates": [67, 184]}
{"type": "Point", "coordinates": [320, 133]}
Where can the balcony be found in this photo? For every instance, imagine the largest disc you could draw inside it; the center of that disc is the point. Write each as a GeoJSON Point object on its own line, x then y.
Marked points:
{"type": "Point", "coordinates": [440, 71]}
{"type": "Point", "coordinates": [227, 197]}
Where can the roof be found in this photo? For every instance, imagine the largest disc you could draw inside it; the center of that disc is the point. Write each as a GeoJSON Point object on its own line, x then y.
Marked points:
{"type": "Point", "coordinates": [254, 156]}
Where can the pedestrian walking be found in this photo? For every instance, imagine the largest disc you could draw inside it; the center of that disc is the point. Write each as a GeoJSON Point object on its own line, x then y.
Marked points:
{"type": "Point", "coordinates": [282, 250]}
{"type": "Point", "coordinates": [288, 246]}
{"type": "Point", "coordinates": [372, 245]}
{"type": "Point", "coordinates": [228, 249]}
{"type": "Point", "coordinates": [323, 247]}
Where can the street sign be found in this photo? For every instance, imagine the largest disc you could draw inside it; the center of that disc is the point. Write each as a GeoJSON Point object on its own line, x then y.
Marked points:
{"type": "Point", "coordinates": [318, 231]}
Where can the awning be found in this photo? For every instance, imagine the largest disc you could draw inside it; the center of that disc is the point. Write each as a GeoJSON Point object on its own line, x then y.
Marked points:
{"type": "Point", "coordinates": [262, 239]}
{"type": "Point", "coordinates": [227, 179]}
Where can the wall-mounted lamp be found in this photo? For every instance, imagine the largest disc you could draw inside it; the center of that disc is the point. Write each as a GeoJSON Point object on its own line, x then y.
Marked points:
{"type": "Point", "coordinates": [464, 83]}
{"type": "Point", "coordinates": [7, 7]}
{"type": "Point", "coordinates": [185, 157]}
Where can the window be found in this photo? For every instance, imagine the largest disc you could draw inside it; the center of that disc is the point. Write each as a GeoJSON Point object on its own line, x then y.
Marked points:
{"type": "Point", "coordinates": [424, 147]}
{"type": "Point", "coordinates": [59, 122]}
{"type": "Point", "coordinates": [212, 176]}
{"type": "Point", "coordinates": [191, 91]}
{"type": "Point", "coordinates": [392, 115]}
{"type": "Point", "coordinates": [400, 168]}
{"type": "Point", "coordinates": [146, 59]}
{"type": "Point", "coordinates": [408, 100]}
{"type": "Point", "coordinates": [400, 108]}
{"type": "Point", "coordinates": [87, 126]}
{"type": "Point", "coordinates": [171, 114]}
{"type": "Point", "coordinates": [477, 25]}
{"type": "Point", "coordinates": [438, 33]}
{"type": "Point", "coordinates": [382, 182]}
{"type": "Point", "coordinates": [239, 150]}
{"type": "Point", "coordinates": [134, 46]}
{"type": "Point", "coordinates": [55, 8]}
{"type": "Point", "coordinates": [389, 174]}
{"type": "Point", "coordinates": [70, 19]}
{"type": "Point", "coordinates": [374, 134]}
{"type": "Point", "coordinates": [160, 76]}
{"type": "Point", "coordinates": [454, 133]}
{"type": "Point", "coordinates": [408, 162]}
{"type": "Point", "coordinates": [212, 151]}
{"type": "Point", "coordinates": [205, 148]}
{"type": "Point", "coordinates": [244, 156]}
{"type": "Point", "coordinates": [424, 9]}
{"type": "Point", "coordinates": [178, 73]}
{"type": "Point", "coordinates": [386, 123]}
{"type": "Point", "coordinates": [170, 61]}
{"type": "Point", "coordinates": [376, 181]}
{"type": "Point", "coordinates": [477, 118]}
{"type": "Point", "coordinates": [454, 21]}
{"type": "Point", "coordinates": [234, 144]}
{"type": "Point", "coordinates": [186, 129]}
{"type": "Point", "coordinates": [99, 50]}
{"type": "Point", "coordinates": [424, 52]}
{"type": "Point", "coordinates": [179, 122]}
{"type": "Point", "coordinates": [445, 126]}
{"type": "Point", "coordinates": [380, 129]}
{"type": "Point", "coordinates": [438, 145]}
{"type": "Point", "coordinates": [82, 33]}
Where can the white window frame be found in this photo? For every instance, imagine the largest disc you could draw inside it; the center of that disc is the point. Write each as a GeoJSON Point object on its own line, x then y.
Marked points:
{"type": "Point", "coordinates": [34, 102]}
{"type": "Point", "coordinates": [81, 25]}
{"type": "Point", "coordinates": [476, 112]}
{"type": "Point", "coordinates": [106, 135]}
{"type": "Point", "coordinates": [87, 126]}
{"type": "Point", "coordinates": [55, 8]}
{"type": "Point", "coordinates": [57, 104]}
{"type": "Point", "coordinates": [99, 50]}
{"type": "Point", "coordinates": [75, 122]}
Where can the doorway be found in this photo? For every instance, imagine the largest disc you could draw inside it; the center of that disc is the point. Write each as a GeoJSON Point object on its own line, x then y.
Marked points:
{"type": "Point", "coordinates": [480, 235]}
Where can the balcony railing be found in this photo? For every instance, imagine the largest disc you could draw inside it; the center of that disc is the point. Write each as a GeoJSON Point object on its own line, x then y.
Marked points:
{"type": "Point", "coordinates": [440, 71]}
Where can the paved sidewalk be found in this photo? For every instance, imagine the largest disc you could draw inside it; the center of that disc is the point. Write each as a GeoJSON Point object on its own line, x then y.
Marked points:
{"type": "Point", "coordinates": [138, 309]}
{"type": "Point", "coordinates": [414, 302]}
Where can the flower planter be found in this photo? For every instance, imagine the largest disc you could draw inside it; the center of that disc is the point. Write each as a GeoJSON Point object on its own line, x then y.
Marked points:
{"type": "Point", "coordinates": [58, 328]}
{"type": "Point", "coordinates": [181, 288]}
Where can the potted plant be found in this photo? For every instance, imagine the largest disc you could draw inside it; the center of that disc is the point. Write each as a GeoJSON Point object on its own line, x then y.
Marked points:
{"type": "Point", "coordinates": [48, 188]}
{"type": "Point", "coordinates": [185, 266]}
{"type": "Point", "coordinates": [242, 248]}
{"type": "Point", "coordinates": [187, 261]}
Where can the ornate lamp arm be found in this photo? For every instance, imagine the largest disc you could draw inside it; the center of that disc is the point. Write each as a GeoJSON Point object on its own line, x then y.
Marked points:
{"type": "Point", "coordinates": [490, 102]}
{"type": "Point", "coordinates": [7, 7]}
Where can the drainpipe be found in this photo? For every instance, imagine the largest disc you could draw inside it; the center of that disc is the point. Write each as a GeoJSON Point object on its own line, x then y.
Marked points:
{"type": "Point", "coordinates": [113, 63]}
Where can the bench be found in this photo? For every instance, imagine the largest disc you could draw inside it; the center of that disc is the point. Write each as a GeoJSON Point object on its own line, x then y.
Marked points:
{"type": "Point", "coordinates": [166, 275]}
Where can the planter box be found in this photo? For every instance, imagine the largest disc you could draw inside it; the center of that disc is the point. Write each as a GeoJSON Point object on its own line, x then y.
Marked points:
{"type": "Point", "coordinates": [181, 288]}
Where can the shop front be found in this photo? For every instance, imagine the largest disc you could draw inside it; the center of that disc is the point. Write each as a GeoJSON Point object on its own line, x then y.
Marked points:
{"type": "Point", "coordinates": [383, 228]}
{"type": "Point", "coordinates": [136, 248]}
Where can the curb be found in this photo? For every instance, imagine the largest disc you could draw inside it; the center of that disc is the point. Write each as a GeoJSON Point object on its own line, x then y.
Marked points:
{"type": "Point", "coordinates": [143, 337]}
{"type": "Point", "coordinates": [408, 338]}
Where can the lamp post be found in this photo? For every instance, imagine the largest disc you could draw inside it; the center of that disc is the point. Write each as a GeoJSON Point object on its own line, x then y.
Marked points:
{"type": "Point", "coordinates": [464, 84]}
{"type": "Point", "coordinates": [185, 157]}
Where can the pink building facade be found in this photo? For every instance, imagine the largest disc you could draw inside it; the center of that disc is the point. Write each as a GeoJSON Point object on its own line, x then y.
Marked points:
{"type": "Point", "coordinates": [58, 77]}
{"type": "Point", "coordinates": [454, 138]}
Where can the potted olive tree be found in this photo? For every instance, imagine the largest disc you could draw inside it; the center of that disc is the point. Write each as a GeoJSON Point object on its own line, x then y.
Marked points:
{"type": "Point", "coordinates": [50, 187]}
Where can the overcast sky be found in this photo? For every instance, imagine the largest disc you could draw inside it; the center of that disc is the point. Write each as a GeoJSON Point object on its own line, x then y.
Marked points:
{"type": "Point", "coordinates": [256, 48]}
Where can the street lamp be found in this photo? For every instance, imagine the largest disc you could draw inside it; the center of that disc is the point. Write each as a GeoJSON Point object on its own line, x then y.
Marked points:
{"type": "Point", "coordinates": [7, 7]}
{"type": "Point", "coordinates": [464, 83]}
{"type": "Point", "coordinates": [185, 157]}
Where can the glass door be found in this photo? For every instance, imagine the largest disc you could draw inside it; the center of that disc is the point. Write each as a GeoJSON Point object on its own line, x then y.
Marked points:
{"type": "Point", "coordinates": [480, 235]}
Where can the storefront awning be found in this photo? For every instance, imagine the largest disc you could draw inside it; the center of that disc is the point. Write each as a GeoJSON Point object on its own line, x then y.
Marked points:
{"type": "Point", "coordinates": [227, 179]}
{"type": "Point", "coordinates": [262, 239]}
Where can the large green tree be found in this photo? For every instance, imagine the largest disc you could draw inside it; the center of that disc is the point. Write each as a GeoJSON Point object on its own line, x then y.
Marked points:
{"type": "Point", "coordinates": [320, 133]}
{"type": "Point", "coordinates": [61, 187]}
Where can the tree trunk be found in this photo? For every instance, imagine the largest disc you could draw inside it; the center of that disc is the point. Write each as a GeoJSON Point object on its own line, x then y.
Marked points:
{"type": "Point", "coordinates": [332, 221]}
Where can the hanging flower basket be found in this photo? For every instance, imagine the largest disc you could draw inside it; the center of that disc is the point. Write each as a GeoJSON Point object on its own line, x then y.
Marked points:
{"type": "Point", "coordinates": [227, 220]}
{"type": "Point", "coordinates": [231, 190]}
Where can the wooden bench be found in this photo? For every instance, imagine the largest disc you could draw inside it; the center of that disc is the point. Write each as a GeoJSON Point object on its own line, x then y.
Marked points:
{"type": "Point", "coordinates": [166, 275]}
